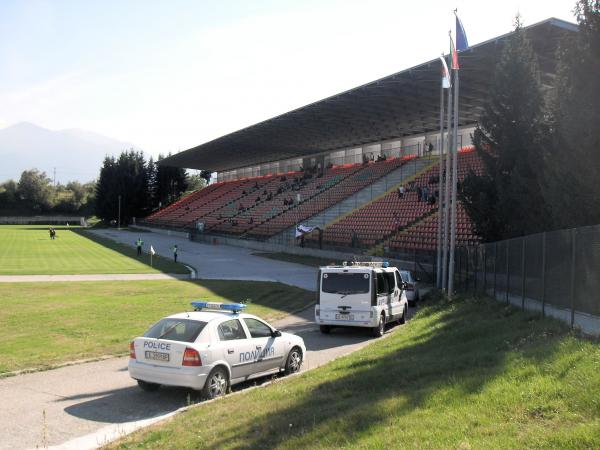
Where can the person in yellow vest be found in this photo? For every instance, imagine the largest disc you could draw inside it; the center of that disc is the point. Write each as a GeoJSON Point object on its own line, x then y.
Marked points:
{"type": "Point", "coordinates": [138, 245]}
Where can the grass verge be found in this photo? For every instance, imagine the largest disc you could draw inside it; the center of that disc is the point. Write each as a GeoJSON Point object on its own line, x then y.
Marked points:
{"type": "Point", "coordinates": [468, 374]}
{"type": "Point", "coordinates": [306, 260]}
{"type": "Point", "coordinates": [44, 324]}
{"type": "Point", "coordinates": [28, 250]}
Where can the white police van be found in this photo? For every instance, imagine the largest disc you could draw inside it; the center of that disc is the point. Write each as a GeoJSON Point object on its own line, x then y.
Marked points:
{"type": "Point", "coordinates": [211, 349]}
{"type": "Point", "coordinates": [363, 294]}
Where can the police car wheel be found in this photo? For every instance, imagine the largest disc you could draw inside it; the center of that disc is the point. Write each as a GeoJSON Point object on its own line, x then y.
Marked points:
{"type": "Point", "coordinates": [148, 387]}
{"type": "Point", "coordinates": [325, 329]}
{"type": "Point", "coordinates": [403, 318]}
{"type": "Point", "coordinates": [294, 361]}
{"type": "Point", "coordinates": [380, 328]}
{"type": "Point", "coordinates": [216, 384]}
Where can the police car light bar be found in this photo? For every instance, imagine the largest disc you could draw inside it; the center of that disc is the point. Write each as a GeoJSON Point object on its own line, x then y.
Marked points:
{"type": "Point", "coordinates": [233, 307]}
{"type": "Point", "coordinates": [371, 263]}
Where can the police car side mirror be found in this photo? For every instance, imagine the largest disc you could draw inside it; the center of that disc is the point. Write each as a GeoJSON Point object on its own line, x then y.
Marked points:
{"type": "Point", "coordinates": [276, 333]}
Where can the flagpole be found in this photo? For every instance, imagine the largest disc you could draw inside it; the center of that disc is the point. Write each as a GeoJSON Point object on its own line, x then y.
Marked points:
{"type": "Point", "coordinates": [438, 278]}
{"type": "Point", "coordinates": [447, 194]}
{"type": "Point", "coordinates": [454, 180]}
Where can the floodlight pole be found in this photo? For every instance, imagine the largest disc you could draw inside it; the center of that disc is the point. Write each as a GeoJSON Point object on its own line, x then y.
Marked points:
{"type": "Point", "coordinates": [119, 219]}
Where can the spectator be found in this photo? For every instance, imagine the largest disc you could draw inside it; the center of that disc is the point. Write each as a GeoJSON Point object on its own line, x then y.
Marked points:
{"type": "Point", "coordinates": [257, 199]}
{"type": "Point", "coordinates": [425, 193]}
{"type": "Point", "coordinates": [419, 193]}
{"type": "Point", "coordinates": [401, 191]}
{"type": "Point", "coordinates": [432, 199]}
{"type": "Point", "coordinates": [175, 249]}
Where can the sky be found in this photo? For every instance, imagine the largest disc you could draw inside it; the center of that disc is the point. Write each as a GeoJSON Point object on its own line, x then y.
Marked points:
{"type": "Point", "coordinates": [170, 75]}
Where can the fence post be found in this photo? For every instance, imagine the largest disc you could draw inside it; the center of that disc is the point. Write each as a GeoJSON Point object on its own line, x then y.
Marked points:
{"type": "Point", "coordinates": [573, 256]}
{"type": "Point", "coordinates": [507, 271]}
{"type": "Point", "coordinates": [466, 269]}
{"type": "Point", "coordinates": [495, 260]}
{"type": "Point", "coordinates": [544, 274]}
{"type": "Point", "coordinates": [523, 275]}
{"type": "Point", "coordinates": [476, 271]}
{"type": "Point", "coordinates": [484, 269]}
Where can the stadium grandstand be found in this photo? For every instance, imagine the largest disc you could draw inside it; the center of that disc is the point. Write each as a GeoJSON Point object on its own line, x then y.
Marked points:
{"type": "Point", "coordinates": [337, 164]}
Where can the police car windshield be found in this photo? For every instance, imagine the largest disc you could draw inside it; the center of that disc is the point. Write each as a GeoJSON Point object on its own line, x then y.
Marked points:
{"type": "Point", "coordinates": [182, 330]}
{"type": "Point", "coordinates": [345, 283]}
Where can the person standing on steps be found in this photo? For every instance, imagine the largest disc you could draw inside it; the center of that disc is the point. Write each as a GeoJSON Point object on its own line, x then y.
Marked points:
{"type": "Point", "coordinates": [175, 253]}
{"type": "Point", "coordinates": [138, 245]}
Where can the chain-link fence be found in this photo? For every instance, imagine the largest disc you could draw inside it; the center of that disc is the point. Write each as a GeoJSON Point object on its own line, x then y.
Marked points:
{"type": "Point", "coordinates": [556, 273]}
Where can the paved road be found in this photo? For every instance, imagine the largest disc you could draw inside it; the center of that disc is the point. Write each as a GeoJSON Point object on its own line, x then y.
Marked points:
{"type": "Point", "coordinates": [221, 262]}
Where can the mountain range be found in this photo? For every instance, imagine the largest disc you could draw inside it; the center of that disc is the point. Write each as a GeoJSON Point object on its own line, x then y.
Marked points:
{"type": "Point", "coordinates": [76, 154]}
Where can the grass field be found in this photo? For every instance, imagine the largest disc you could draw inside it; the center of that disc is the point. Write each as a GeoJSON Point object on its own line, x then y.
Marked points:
{"type": "Point", "coordinates": [28, 250]}
{"type": "Point", "coordinates": [43, 324]}
{"type": "Point", "coordinates": [463, 375]}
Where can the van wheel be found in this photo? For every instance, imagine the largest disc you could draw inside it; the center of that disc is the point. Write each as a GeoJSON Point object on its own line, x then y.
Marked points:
{"type": "Point", "coordinates": [380, 328]}
{"type": "Point", "coordinates": [148, 387]}
{"type": "Point", "coordinates": [217, 384]}
{"type": "Point", "coordinates": [403, 318]}
{"type": "Point", "coordinates": [294, 361]}
{"type": "Point", "coordinates": [325, 329]}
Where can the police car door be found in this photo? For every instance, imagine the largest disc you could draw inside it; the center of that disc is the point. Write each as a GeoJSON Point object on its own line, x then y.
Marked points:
{"type": "Point", "coordinates": [383, 296]}
{"type": "Point", "coordinates": [394, 288]}
{"type": "Point", "coordinates": [236, 347]}
{"type": "Point", "coordinates": [268, 349]}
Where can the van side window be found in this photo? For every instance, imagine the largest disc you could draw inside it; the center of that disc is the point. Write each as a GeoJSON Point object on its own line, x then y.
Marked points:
{"type": "Point", "coordinates": [399, 280]}
{"type": "Point", "coordinates": [391, 281]}
{"type": "Point", "coordinates": [382, 285]}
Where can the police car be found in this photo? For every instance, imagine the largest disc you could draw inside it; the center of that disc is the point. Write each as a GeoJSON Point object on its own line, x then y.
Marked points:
{"type": "Point", "coordinates": [363, 294]}
{"type": "Point", "coordinates": [211, 349]}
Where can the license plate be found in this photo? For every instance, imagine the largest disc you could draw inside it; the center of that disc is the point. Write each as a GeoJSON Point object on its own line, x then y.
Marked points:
{"type": "Point", "coordinates": [344, 317]}
{"type": "Point", "coordinates": [157, 356]}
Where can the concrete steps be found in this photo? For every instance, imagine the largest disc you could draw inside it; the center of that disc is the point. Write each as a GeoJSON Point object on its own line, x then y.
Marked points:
{"type": "Point", "coordinates": [358, 199]}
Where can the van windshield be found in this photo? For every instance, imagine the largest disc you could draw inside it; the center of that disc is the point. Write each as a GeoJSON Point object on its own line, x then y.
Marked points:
{"type": "Point", "coordinates": [346, 283]}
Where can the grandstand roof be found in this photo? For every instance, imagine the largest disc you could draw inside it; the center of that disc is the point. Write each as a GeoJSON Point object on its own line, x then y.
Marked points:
{"type": "Point", "coordinates": [402, 104]}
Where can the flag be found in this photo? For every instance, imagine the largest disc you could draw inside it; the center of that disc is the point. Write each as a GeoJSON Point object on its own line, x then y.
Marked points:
{"type": "Point", "coordinates": [302, 229]}
{"type": "Point", "coordinates": [461, 36]}
{"type": "Point", "coordinates": [152, 252]}
{"type": "Point", "coordinates": [445, 74]}
{"type": "Point", "coordinates": [455, 65]}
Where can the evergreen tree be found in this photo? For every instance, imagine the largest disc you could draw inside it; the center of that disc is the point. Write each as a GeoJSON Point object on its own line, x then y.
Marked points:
{"type": "Point", "coordinates": [510, 138]}
{"type": "Point", "coordinates": [572, 162]}
{"type": "Point", "coordinates": [171, 182]}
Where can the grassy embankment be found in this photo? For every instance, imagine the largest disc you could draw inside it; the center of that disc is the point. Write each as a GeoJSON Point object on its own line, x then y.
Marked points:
{"type": "Point", "coordinates": [28, 250]}
{"type": "Point", "coordinates": [468, 374]}
{"type": "Point", "coordinates": [44, 324]}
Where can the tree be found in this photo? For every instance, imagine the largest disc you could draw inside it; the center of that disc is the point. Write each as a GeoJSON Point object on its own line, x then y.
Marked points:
{"type": "Point", "coordinates": [35, 190]}
{"type": "Point", "coordinates": [572, 162]}
{"type": "Point", "coordinates": [510, 138]}
{"type": "Point", "coordinates": [8, 194]}
{"type": "Point", "coordinates": [171, 182]}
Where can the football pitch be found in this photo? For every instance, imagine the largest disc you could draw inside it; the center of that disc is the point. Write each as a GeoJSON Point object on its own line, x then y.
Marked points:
{"type": "Point", "coordinates": [28, 250]}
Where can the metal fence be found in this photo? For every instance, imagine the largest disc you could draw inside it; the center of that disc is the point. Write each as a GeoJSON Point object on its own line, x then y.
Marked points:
{"type": "Point", "coordinates": [556, 273]}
